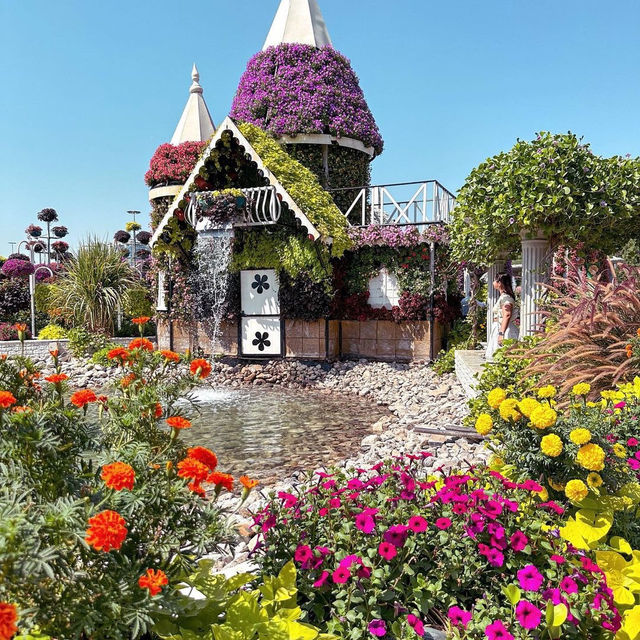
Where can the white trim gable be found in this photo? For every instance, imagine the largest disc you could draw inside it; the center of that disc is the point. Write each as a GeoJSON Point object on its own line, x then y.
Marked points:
{"type": "Point", "coordinates": [229, 125]}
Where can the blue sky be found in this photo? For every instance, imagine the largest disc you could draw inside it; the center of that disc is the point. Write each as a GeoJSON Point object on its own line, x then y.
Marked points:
{"type": "Point", "coordinates": [89, 89]}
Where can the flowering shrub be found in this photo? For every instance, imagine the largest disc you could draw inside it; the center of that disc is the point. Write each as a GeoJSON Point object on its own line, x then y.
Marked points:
{"type": "Point", "coordinates": [396, 237]}
{"type": "Point", "coordinates": [172, 164]}
{"type": "Point", "coordinates": [14, 298]}
{"type": "Point", "coordinates": [94, 543]}
{"type": "Point", "coordinates": [222, 207]}
{"type": "Point", "coordinates": [388, 550]}
{"type": "Point", "coordinates": [14, 268]}
{"type": "Point", "coordinates": [9, 332]}
{"type": "Point", "coordinates": [293, 89]}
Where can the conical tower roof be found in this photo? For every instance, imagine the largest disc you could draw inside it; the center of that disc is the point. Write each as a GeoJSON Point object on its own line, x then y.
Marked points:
{"type": "Point", "coordinates": [298, 22]}
{"type": "Point", "coordinates": [195, 124]}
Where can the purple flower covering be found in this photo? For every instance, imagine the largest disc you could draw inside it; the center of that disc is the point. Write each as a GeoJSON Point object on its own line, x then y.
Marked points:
{"type": "Point", "coordinates": [17, 268]}
{"type": "Point", "coordinates": [295, 89]}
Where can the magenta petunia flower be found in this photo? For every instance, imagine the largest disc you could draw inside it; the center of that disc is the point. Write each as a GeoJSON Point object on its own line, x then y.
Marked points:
{"type": "Point", "coordinates": [396, 535]}
{"type": "Point", "coordinates": [554, 595]}
{"type": "Point", "coordinates": [497, 631]}
{"type": "Point", "coordinates": [417, 524]}
{"type": "Point", "coordinates": [303, 554]}
{"type": "Point", "coordinates": [459, 617]}
{"type": "Point", "coordinates": [569, 585]}
{"type": "Point", "coordinates": [416, 624]}
{"type": "Point", "coordinates": [365, 523]}
{"type": "Point", "coordinates": [377, 628]}
{"type": "Point", "coordinates": [632, 442]}
{"type": "Point", "coordinates": [495, 558]}
{"type": "Point", "coordinates": [387, 550]}
{"type": "Point", "coordinates": [335, 503]}
{"type": "Point", "coordinates": [528, 615]}
{"type": "Point", "coordinates": [530, 578]}
{"type": "Point", "coordinates": [341, 575]}
{"type": "Point", "coordinates": [321, 581]}
{"type": "Point", "coordinates": [518, 541]}
{"type": "Point", "coordinates": [443, 523]}
{"type": "Point", "coordinates": [350, 560]}
{"type": "Point", "coordinates": [557, 559]}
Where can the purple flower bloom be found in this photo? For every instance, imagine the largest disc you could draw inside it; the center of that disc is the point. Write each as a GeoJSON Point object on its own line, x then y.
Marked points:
{"type": "Point", "coordinates": [377, 628]}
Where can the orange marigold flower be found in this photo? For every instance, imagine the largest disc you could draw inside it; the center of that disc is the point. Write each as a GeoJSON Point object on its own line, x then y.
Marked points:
{"type": "Point", "coordinates": [106, 531]}
{"type": "Point", "coordinates": [178, 422]}
{"type": "Point", "coordinates": [193, 470]}
{"type": "Point", "coordinates": [200, 368]}
{"type": "Point", "coordinates": [19, 326]}
{"type": "Point", "coordinates": [6, 399]}
{"type": "Point", "coordinates": [127, 380]}
{"type": "Point", "coordinates": [204, 455]}
{"type": "Point", "coordinates": [57, 378]}
{"type": "Point", "coordinates": [153, 580]}
{"type": "Point", "coordinates": [141, 343]}
{"type": "Point", "coordinates": [171, 356]}
{"type": "Point", "coordinates": [3, 357]}
{"type": "Point", "coordinates": [638, 333]}
{"type": "Point", "coordinates": [54, 352]}
{"type": "Point", "coordinates": [221, 480]}
{"type": "Point", "coordinates": [141, 320]}
{"type": "Point", "coordinates": [118, 476]}
{"type": "Point", "coordinates": [8, 619]}
{"type": "Point", "coordinates": [21, 409]}
{"type": "Point", "coordinates": [83, 397]}
{"type": "Point", "coordinates": [196, 487]}
{"type": "Point", "coordinates": [248, 483]}
{"type": "Point", "coordinates": [119, 353]}
{"type": "Point", "coordinates": [158, 411]}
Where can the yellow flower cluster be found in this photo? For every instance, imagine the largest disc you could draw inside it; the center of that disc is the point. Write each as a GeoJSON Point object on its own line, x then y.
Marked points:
{"type": "Point", "coordinates": [591, 456]}
{"type": "Point", "coordinates": [547, 392]}
{"type": "Point", "coordinates": [580, 436]}
{"type": "Point", "coordinates": [581, 389]}
{"type": "Point", "coordinates": [594, 480]}
{"type": "Point", "coordinates": [526, 406]}
{"type": "Point", "coordinates": [508, 410]}
{"type": "Point", "coordinates": [496, 397]}
{"type": "Point", "coordinates": [619, 450]}
{"type": "Point", "coordinates": [576, 490]}
{"type": "Point", "coordinates": [614, 396]}
{"type": "Point", "coordinates": [631, 389]}
{"type": "Point", "coordinates": [484, 424]}
{"type": "Point", "coordinates": [551, 445]}
{"type": "Point", "coordinates": [543, 417]}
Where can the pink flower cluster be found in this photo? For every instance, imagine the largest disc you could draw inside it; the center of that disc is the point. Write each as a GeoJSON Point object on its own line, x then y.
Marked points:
{"type": "Point", "coordinates": [396, 237]}
{"type": "Point", "coordinates": [172, 164]}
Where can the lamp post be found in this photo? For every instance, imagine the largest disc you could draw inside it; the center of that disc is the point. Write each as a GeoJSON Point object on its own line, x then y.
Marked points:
{"type": "Point", "coordinates": [134, 213]}
{"type": "Point", "coordinates": [13, 246]}
{"type": "Point", "coordinates": [32, 285]}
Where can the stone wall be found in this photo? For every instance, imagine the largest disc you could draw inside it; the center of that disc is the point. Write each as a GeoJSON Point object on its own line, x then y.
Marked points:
{"type": "Point", "coordinates": [39, 349]}
{"type": "Point", "coordinates": [321, 339]}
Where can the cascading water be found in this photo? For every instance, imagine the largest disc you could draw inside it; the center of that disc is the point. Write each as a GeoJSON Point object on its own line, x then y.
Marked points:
{"type": "Point", "coordinates": [211, 278]}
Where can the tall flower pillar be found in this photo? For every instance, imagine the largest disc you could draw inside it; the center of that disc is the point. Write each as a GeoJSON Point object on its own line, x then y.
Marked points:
{"type": "Point", "coordinates": [535, 251]}
{"type": "Point", "coordinates": [492, 294]}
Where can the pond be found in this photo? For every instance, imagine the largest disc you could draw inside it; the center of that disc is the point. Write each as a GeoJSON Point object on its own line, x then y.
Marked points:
{"type": "Point", "coordinates": [269, 433]}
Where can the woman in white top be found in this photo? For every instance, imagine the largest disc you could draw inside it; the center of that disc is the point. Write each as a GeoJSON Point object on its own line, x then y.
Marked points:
{"type": "Point", "coordinates": [504, 314]}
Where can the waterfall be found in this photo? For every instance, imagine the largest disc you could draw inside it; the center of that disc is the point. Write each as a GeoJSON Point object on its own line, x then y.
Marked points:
{"type": "Point", "coordinates": [211, 279]}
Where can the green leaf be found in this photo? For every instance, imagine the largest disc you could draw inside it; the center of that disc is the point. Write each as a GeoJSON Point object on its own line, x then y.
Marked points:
{"type": "Point", "coordinates": [513, 594]}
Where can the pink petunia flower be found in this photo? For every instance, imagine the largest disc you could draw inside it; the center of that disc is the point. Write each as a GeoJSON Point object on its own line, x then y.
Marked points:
{"type": "Point", "coordinates": [459, 617]}
{"type": "Point", "coordinates": [365, 523]}
{"type": "Point", "coordinates": [341, 575]}
{"type": "Point", "coordinates": [416, 624]}
{"type": "Point", "coordinates": [528, 615]}
{"type": "Point", "coordinates": [377, 628]}
{"type": "Point", "coordinates": [497, 631]}
{"type": "Point", "coordinates": [321, 581]}
{"type": "Point", "coordinates": [396, 535]}
{"type": "Point", "coordinates": [569, 585]}
{"type": "Point", "coordinates": [557, 559]}
{"type": "Point", "coordinates": [303, 554]}
{"type": "Point", "coordinates": [518, 541]}
{"type": "Point", "coordinates": [443, 523]}
{"type": "Point", "coordinates": [632, 442]}
{"type": "Point", "coordinates": [495, 558]}
{"type": "Point", "coordinates": [530, 578]}
{"type": "Point", "coordinates": [387, 550]}
{"type": "Point", "coordinates": [417, 524]}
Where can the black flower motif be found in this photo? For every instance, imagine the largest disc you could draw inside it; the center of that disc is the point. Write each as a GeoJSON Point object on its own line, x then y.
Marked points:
{"type": "Point", "coordinates": [261, 340]}
{"type": "Point", "coordinates": [260, 283]}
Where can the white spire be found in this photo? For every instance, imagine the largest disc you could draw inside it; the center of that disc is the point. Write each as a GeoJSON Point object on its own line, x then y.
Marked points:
{"type": "Point", "coordinates": [195, 124]}
{"type": "Point", "coordinates": [298, 21]}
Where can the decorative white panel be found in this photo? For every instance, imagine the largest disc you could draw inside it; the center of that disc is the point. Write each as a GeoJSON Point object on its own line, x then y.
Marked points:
{"type": "Point", "coordinates": [261, 336]}
{"type": "Point", "coordinates": [384, 290]}
{"type": "Point", "coordinates": [161, 304]}
{"type": "Point", "coordinates": [259, 290]}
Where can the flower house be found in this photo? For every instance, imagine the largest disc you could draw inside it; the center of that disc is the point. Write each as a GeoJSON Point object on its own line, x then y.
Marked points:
{"type": "Point", "coordinates": [269, 240]}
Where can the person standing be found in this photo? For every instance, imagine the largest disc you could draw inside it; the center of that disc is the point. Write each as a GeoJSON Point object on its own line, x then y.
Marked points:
{"type": "Point", "coordinates": [504, 315]}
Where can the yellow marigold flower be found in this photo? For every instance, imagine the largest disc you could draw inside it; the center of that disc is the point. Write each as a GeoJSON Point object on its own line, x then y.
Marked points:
{"type": "Point", "coordinates": [484, 424]}
{"type": "Point", "coordinates": [581, 389]}
{"type": "Point", "coordinates": [496, 462]}
{"type": "Point", "coordinates": [592, 404]}
{"type": "Point", "coordinates": [547, 392]}
{"type": "Point", "coordinates": [576, 490]}
{"type": "Point", "coordinates": [619, 450]}
{"type": "Point", "coordinates": [543, 495]}
{"type": "Point", "coordinates": [614, 396]}
{"type": "Point", "coordinates": [558, 486]}
{"type": "Point", "coordinates": [526, 406]}
{"type": "Point", "coordinates": [591, 456]}
{"type": "Point", "coordinates": [551, 445]}
{"type": "Point", "coordinates": [594, 480]}
{"type": "Point", "coordinates": [580, 436]}
{"type": "Point", "coordinates": [543, 417]}
{"type": "Point", "coordinates": [508, 410]}
{"type": "Point", "coordinates": [496, 397]}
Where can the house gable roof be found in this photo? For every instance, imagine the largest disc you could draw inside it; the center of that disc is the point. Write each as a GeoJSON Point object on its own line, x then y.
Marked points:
{"type": "Point", "coordinates": [229, 125]}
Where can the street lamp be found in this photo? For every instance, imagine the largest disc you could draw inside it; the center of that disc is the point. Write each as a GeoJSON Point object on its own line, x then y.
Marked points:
{"type": "Point", "coordinates": [134, 213]}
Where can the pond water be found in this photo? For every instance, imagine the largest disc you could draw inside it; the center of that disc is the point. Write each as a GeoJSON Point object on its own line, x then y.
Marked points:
{"type": "Point", "coordinates": [269, 433]}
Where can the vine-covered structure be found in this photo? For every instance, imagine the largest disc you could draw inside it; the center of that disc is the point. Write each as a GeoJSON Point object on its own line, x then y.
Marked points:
{"type": "Point", "coordinates": [255, 243]}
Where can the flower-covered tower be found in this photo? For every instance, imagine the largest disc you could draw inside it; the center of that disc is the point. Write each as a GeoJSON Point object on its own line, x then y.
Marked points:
{"type": "Point", "coordinates": [300, 89]}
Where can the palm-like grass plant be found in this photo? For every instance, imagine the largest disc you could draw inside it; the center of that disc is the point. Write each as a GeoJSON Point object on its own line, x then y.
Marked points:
{"type": "Point", "coordinates": [94, 285]}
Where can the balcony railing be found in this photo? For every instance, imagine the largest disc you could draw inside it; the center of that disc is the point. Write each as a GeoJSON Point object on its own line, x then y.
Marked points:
{"type": "Point", "coordinates": [399, 204]}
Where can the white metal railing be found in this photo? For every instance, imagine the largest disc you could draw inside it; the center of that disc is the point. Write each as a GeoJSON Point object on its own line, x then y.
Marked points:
{"type": "Point", "coordinates": [263, 207]}
{"type": "Point", "coordinates": [404, 203]}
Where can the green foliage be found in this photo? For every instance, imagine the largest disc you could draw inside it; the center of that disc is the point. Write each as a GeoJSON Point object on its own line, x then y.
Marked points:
{"type": "Point", "coordinates": [83, 343]}
{"type": "Point", "coordinates": [138, 302]}
{"type": "Point", "coordinates": [231, 612]}
{"type": "Point", "coordinates": [52, 459]}
{"type": "Point", "coordinates": [554, 184]}
{"type": "Point", "coordinates": [282, 250]}
{"type": "Point", "coordinates": [94, 286]}
{"type": "Point", "coordinates": [100, 356]}
{"type": "Point", "coordinates": [52, 332]}
{"type": "Point", "coordinates": [302, 186]}
{"type": "Point", "coordinates": [459, 338]}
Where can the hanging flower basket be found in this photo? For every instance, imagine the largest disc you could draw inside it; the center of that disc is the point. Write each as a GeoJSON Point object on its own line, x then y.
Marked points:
{"type": "Point", "coordinates": [143, 237]}
{"type": "Point", "coordinates": [60, 247]}
{"type": "Point", "coordinates": [60, 232]}
{"type": "Point", "coordinates": [33, 230]}
{"type": "Point", "coordinates": [122, 236]}
{"type": "Point", "coordinates": [48, 215]}
{"type": "Point", "coordinates": [38, 247]}
{"type": "Point", "coordinates": [17, 268]}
